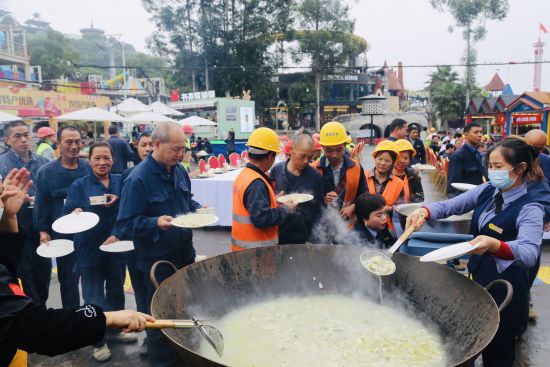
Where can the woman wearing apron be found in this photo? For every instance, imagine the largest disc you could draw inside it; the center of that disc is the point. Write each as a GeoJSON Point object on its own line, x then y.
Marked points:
{"type": "Point", "coordinates": [507, 224]}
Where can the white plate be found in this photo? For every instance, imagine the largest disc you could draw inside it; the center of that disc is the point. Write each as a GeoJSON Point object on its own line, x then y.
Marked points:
{"type": "Point", "coordinates": [449, 252]}
{"type": "Point", "coordinates": [463, 186]}
{"type": "Point", "coordinates": [298, 200]}
{"type": "Point", "coordinates": [55, 248]}
{"type": "Point", "coordinates": [75, 222]}
{"type": "Point", "coordinates": [204, 219]}
{"type": "Point", "coordinates": [119, 246]}
{"type": "Point", "coordinates": [424, 167]}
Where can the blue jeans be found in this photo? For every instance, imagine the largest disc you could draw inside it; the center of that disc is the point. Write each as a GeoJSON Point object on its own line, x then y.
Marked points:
{"type": "Point", "coordinates": [138, 278]}
{"type": "Point", "coordinates": [102, 286]}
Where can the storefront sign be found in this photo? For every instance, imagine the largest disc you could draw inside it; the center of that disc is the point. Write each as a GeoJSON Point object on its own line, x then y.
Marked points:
{"type": "Point", "coordinates": [198, 95]}
{"type": "Point", "coordinates": [527, 118]}
{"type": "Point", "coordinates": [35, 103]}
{"type": "Point", "coordinates": [342, 78]}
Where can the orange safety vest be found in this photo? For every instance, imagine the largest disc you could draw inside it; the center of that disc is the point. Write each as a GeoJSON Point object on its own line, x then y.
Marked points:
{"type": "Point", "coordinates": [391, 193]}
{"type": "Point", "coordinates": [352, 177]}
{"type": "Point", "coordinates": [244, 234]}
{"type": "Point", "coordinates": [406, 188]}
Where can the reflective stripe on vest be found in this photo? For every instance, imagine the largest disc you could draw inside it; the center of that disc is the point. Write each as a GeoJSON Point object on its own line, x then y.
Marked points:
{"type": "Point", "coordinates": [352, 177]}
{"type": "Point", "coordinates": [244, 234]}
{"type": "Point", "coordinates": [391, 193]}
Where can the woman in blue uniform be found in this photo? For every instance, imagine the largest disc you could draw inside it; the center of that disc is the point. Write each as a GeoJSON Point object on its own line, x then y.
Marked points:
{"type": "Point", "coordinates": [101, 272]}
{"type": "Point", "coordinates": [507, 224]}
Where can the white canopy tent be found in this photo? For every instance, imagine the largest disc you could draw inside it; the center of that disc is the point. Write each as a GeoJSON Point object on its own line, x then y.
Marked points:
{"type": "Point", "coordinates": [163, 109]}
{"type": "Point", "coordinates": [197, 121]}
{"type": "Point", "coordinates": [6, 117]}
{"type": "Point", "coordinates": [149, 118]}
{"type": "Point", "coordinates": [91, 114]}
{"type": "Point", "coordinates": [130, 106]}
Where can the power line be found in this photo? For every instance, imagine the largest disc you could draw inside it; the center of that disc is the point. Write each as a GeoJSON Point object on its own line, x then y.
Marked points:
{"type": "Point", "coordinates": [244, 67]}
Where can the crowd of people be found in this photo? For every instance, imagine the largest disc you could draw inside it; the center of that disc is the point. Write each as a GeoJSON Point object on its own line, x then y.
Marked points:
{"type": "Point", "coordinates": [511, 205]}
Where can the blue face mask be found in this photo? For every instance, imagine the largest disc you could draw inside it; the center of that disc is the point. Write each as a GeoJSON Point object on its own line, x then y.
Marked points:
{"type": "Point", "coordinates": [500, 179]}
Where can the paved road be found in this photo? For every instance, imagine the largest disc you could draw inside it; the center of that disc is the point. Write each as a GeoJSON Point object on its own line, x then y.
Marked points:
{"type": "Point", "coordinates": [533, 349]}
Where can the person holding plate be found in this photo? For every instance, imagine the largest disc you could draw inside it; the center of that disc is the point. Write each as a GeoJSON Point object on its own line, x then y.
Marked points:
{"type": "Point", "coordinates": [507, 224]}
{"type": "Point", "coordinates": [157, 190]}
{"type": "Point", "coordinates": [101, 272]}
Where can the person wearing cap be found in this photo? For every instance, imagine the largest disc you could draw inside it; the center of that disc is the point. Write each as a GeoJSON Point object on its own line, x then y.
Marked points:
{"type": "Point", "coordinates": [412, 186]}
{"type": "Point", "coordinates": [381, 180]}
{"type": "Point", "coordinates": [155, 192]}
{"type": "Point", "coordinates": [343, 177]}
{"type": "Point", "coordinates": [34, 270]}
{"type": "Point", "coordinates": [256, 213]}
{"type": "Point", "coordinates": [449, 138]}
{"type": "Point", "coordinates": [46, 145]}
{"type": "Point", "coordinates": [419, 156]}
{"type": "Point", "coordinates": [317, 149]}
{"type": "Point", "coordinates": [122, 153]}
{"type": "Point", "coordinates": [295, 175]}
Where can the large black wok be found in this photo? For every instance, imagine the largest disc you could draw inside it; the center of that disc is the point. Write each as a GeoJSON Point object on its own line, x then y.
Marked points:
{"type": "Point", "coordinates": [465, 313]}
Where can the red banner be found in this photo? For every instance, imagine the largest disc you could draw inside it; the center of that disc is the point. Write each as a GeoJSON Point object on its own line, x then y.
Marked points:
{"type": "Point", "coordinates": [525, 119]}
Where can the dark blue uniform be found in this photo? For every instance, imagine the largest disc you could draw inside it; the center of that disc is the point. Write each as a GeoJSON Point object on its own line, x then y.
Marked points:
{"type": "Point", "coordinates": [328, 178]}
{"type": "Point", "coordinates": [52, 184]}
{"type": "Point", "coordinates": [101, 272]}
{"type": "Point", "coordinates": [34, 270]}
{"type": "Point", "coordinates": [122, 154]}
{"type": "Point", "coordinates": [298, 225]}
{"type": "Point", "coordinates": [420, 156]}
{"type": "Point", "coordinates": [513, 319]}
{"type": "Point", "coordinates": [544, 161]}
{"type": "Point", "coordinates": [151, 191]}
{"type": "Point", "coordinates": [465, 166]}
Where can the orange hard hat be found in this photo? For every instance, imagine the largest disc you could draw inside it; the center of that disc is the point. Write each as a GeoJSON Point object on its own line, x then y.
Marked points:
{"type": "Point", "coordinates": [317, 145]}
{"type": "Point", "coordinates": [188, 129]}
{"type": "Point", "coordinates": [288, 147]}
{"type": "Point", "coordinates": [45, 131]}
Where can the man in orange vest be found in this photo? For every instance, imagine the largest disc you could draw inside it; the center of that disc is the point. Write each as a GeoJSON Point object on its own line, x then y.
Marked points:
{"type": "Point", "coordinates": [256, 214]}
{"type": "Point", "coordinates": [343, 177]}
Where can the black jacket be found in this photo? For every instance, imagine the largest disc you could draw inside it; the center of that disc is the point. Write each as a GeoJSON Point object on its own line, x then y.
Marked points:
{"type": "Point", "coordinates": [383, 239]}
{"type": "Point", "coordinates": [465, 166]}
{"type": "Point", "coordinates": [416, 192]}
{"type": "Point", "coordinates": [298, 225]}
{"type": "Point", "coordinates": [420, 156]}
{"type": "Point", "coordinates": [35, 329]}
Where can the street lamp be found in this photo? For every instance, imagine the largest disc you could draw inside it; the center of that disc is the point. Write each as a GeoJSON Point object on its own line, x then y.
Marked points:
{"type": "Point", "coordinates": [372, 105]}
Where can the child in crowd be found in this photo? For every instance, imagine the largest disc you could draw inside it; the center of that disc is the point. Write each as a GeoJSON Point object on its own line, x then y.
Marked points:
{"type": "Point", "coordinates": [372, 220]}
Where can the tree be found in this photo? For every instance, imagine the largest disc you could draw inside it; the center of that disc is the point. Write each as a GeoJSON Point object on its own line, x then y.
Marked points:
{"type": "Point", "coordinates": [325, 37]}
{"type": "Point", "coordinates": [221, 44]}
{"type": "Point", "coordinates": [471, 16]}
{"type": "Point", "coordinates": [446, 95]}
{"type": "Point", "coordinates": [53, 52]}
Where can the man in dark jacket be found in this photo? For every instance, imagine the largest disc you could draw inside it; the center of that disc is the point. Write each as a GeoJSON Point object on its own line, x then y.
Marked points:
{"type": "Point", "coordinates": [157, 190]}
{"type": "Point", "coordinates": [418, 146]}
{"type": "Point", "coordinates": [465, 165]}
{"type": "Point", "coordinates": [30, 327]}
{"type": "Point", "coordinates": [122, 153]}
{"type": "Point", "coordinates": [297, 176]}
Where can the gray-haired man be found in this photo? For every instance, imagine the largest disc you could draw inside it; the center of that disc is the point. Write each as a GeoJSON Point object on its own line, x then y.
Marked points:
{"type": "Point", "coordinates": [155, 192]}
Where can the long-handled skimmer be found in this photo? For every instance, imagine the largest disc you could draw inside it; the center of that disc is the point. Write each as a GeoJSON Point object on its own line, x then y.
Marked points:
{"type": "Point", "coordinates": [381, 264]}
{"type": "Point", "coordinates": [209, 332]}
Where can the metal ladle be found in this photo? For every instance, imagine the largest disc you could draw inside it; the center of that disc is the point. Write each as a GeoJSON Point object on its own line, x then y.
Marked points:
{"type": "Point", "coordinates": [209, 332]}
{"type": "Point", "coordinates": [381, 264]}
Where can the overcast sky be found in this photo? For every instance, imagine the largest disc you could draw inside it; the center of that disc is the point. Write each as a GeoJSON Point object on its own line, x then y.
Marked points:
{"type": "Point", "coordinates": [397, 30]}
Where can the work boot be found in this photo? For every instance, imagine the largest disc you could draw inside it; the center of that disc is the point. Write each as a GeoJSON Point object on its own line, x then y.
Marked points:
{"type": "Point", "coordinates": [124, 337]}
{"type": "Point", "coordinates": [102, 353]}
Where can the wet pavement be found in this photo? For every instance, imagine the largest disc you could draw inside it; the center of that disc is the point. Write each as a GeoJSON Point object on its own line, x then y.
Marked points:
{"type": "Point", "coordinates": [533, 348]}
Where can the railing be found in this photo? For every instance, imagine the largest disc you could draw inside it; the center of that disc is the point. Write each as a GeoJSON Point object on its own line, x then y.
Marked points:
{"type": "Point", "coordinates": [13, 41]}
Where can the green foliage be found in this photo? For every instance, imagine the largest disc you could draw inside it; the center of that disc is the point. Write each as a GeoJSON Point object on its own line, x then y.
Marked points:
{"type": "Point", "coordinates": [471, 16]}
{"type": "Point", "coordinates": [53, 52]}
{"type": "Point", "coordinates": [447, 94]}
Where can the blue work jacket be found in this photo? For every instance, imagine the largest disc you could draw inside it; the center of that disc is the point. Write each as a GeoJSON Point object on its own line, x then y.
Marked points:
{"type": "Point", "coordinates": [87, 243]}
{"type": "Point", "coordinates": [149, 192]}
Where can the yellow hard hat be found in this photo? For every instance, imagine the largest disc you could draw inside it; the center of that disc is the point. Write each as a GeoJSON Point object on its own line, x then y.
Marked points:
{"type": "Point", "coordinates": [349, 140]}
{"type": "Point", "coordinates": [264, 138]}
{"type": "Point", "coordinates": [486, 136]}
{"type": "Point", "coordinates": [333, 133]}
{"type": "Point", "coordinates": [404, 145]}
{"type": "Point", "coordinates": [386, 146]}
{"type": "Point", "coordinates": [432, 129]}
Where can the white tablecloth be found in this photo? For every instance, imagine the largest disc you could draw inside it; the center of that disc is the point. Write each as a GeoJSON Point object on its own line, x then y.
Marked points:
{"type": "Point", "coordinates": [216, 192]}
